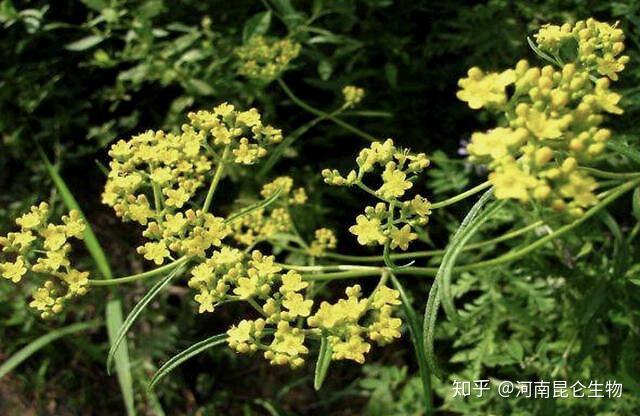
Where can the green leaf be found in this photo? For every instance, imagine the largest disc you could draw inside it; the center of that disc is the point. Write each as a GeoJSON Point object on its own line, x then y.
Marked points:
{"type": "Point", "coordinates": [96, 5]}
{"type": "Point", "coordinates": [515, 349]}
{"type": "Point", "coordinates": [325, 69]}
{"type": "Point", "coordinates": [260, 204]}
{"type": "Point", "coordinates": [137, 310]}
{"type": "Point", "coordinates": [541, 54]}
{"type": "Point", "coordinates": [256, 25]}
{"type": "Point", "coordinates": [415, 330]}
{"type": "Point", "coordinates": [391, 72]}
{"type": "Point", "coordinates": [323, 362]}
{"type": "Point", "coordinates": [183, 356]}
{"type": "Point", "coordinates": [199, 87]}
{"type": "Point", "coordinates": [433, 301]}
{"type": "Point", "coordinates": [123, 365]}
{"type": "Point", "coordinates": [84, 43]}
{"type": "Point", "coordinates": [453, 250]}
{"type": "Point", "coordinates": [31, 348]}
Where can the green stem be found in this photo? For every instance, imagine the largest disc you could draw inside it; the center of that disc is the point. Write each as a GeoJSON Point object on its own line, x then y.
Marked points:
{"type": "Point", "coordinates": [517, 254]}
{"type": "Point", "coordinates": [216, 178]}
{"type": "Point", "coordinates": [429, 253]}
{"type": "Point", "coordinates": [139, 276]}
{"type": "Point", "coordinates": [611, 175]}
{"type": "Point", "coordinates": [322, 114]}
{"type": "Point", "coordinates": [460, 197]}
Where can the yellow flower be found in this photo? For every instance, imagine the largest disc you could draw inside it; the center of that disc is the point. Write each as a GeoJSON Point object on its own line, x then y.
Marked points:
{"type": "Point", "coordinates": [353, 348]}
{"type": "Point", "coordinates": [14, 270]}
{"type": "Point", "coordinates": [246, 287]}
{"type": "Point", "coordinates": [352, 95]}
{"type": "Point", "coordinates": [385, 328]}
{"type": "Point", "coordinates": [54, 237]}
{"type": "Point", "coordinates": [367, 230]}
{"type": "Point", "coordinates": [287, 346]}
{"type": "Point", "coordinates": [512, 183]}
{"type": "Point", "coordinates": [292, 282]}
{"type": "Point", "coordinates": [480, 90]}
{"type": "Point", "coordinates": [240, 337]}
{"type": "Point", "coordinates": [580, 188]}
{"type": "Point", "coordinates": [155, 252]}
{"type": "Point", "coordinates": [297, 305]}
{"type": "Point", "coordinates": [35, 218]}
{"type": "Point", "coordinates": [385, 296]}
{"type": "Point", "coordinates": [395, 182]}
{"type": "Point", "coordinates": [542, 126]}
{"type": "Point", "coordinates": [496, 143]}
{"type": "Point", "coordinates": [74, 224]}
{"type": "Point", "coordinates": [401, 237]}
{"type": "Point", "coordinates": [22, 240]}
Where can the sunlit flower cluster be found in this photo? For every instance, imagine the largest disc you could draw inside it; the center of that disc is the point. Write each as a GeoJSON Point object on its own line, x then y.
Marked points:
{"type": "Point", "coordinates": [350, 324]}
{"type": "Point", "coordinates": [352, 95]}
{"type": "Point", "coordinates": [393, 220]}
{"type": "Point", "coordinates": [552, 127]}
{"type": "Point", "coordinates": [264, 59]}
{"type": "Point", "coordinates": [43, 248]}
{"type": "Point", "coordinates": [154, 176]}
{"type": "Point", "coordinates": [598, 45]}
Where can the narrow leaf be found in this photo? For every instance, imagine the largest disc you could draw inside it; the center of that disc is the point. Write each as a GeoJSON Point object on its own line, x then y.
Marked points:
{"type": "Point", "coordinates": [185, 355]}
{"type": "Point", "coordinates": [322, 365]}
{"type": "Point", "coordinates": [248, 210]}
{"type": "Point", "coordinates": [433, 301]}
{"type": "Point", "coordinates": [84, 43]}
{"type": "Point", "coordinates": [256, 25]}
{"type": "Point", "coordinates": [35, 345]}
{"type": "Point", "coordinates": [137, 310]}
{"type": "Point", "coordinates": [113, 309]}
{"type": "Point", "coordinates": [415, 330]}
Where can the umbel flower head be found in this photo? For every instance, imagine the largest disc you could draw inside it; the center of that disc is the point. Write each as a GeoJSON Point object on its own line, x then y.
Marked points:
{"type": "Point", "coordinates": [598, 45]}
{"type": "Point", "coordinates": [391, 221]}
{"type": "Point", "coordinates": [155, 175]}
{"type": "Point", "coordinates": [350, 325]}
{"type": "Point", "coordinates": [352, 95]}
{"type": "Point", "coordinates": [263, 59]}
{"type": "Point", "coordinates": [261, 224]}
{"type": "Point", "coordinates": [552, 123]}
{"type": "Point", "coordinates": [40, 247]}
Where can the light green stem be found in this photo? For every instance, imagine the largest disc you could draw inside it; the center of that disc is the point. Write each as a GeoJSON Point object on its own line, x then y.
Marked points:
{"type": "Point", "coordinates": [216, 178]}
{"type": "Point", "coordinates": [322, 114]}
{"type": "Point", "coordinates": [506, 258]}
{"type": "Point", "coordinates": [610, 175]}
{"type": "Point", "coordinates": [139, 276]}
{"type": "Point", "coordinates": [460, 197]}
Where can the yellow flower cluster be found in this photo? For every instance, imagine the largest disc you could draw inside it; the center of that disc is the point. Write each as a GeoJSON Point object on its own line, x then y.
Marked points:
{"type": "Point", "coordinates": [282, 300]}
{"type": "Point", "coordinates": [352, 96]}
{"type": "Point", "coordinates": [169, 169]}
{"type": "Point", "coordinates": [349, 322]}
{"type": "Point", "coordinates": [264, 59]}
{"type": "Point", "coordinates": [261, 224]}
{"type": "Point", "coordinates": [598, 45]}
{"type": "Point", "coordinates": [190, 233]}
{"type": "Point", "coordinates": [552, 126]}
{"type": "Point", "coordinates": [392, 220]}
{"type": "Point", "coordinates": [43, 248]}
{"type": "Point", "coordinates": [324, 240]}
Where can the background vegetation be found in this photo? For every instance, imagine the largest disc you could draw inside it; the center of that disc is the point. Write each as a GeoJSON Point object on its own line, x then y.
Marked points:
{"type": "Point", "coordinates": [77, 75]}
